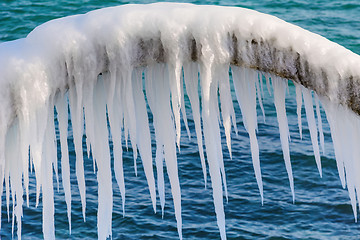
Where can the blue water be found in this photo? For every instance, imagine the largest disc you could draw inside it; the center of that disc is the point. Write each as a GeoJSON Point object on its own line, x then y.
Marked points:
{"type": "Point", "coordinates": [322, 209]}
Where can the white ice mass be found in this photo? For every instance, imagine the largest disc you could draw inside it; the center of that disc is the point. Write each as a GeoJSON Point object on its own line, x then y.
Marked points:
{"type": "Point", "coordinates": [102, 65]}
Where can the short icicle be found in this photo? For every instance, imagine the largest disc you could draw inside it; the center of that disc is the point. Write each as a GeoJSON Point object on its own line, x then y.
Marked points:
{"type": "Point", "coordinates": [298, 106]}
{"type": "Point", "coordinates": [260, 94]}
{"type": "Point", "coordinates": [319, 121]}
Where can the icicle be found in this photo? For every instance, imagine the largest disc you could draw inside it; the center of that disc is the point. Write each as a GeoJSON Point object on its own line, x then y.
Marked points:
{"type": "Point", "coordinates": [182, 106]}
{"type": "Point", "coordinates": [318, 114]}
{"type": "Point", "coordinates": [356, 155]}
{"type": "Point", "coordinates": [308, 102]}
{"type": "Point", "coordinates": [332, 117]}
{"type": "Point", "coordinates": [159, 160]}
{"type": "Point", "coordinates": [214, 104]}
{"type": "Point", "coordinates": [344, 127]}
{"type": "Point", "coordinates": [62, 110]}
{"type": "Point", "coordinates": [279, 100]}
{"type": "Point", "coordinates": [151, 94]}
{"type": "Point", "coordinates": [227, 109]}
{"type": "Point", "coordinates": [143, 131]}
{"type": "Point", "coordinates": [191, 82]}
{"type": "Point", "coordinates": [77, 125]}
{"type": "Point", "coordinates": [129, 113]}
{"type": "Point", "coordinates": [175, 89]}
{"type": "Point", "coordinates": [52, 145]}
{"type": "Point", "coordinates": [261, 75]}
{"type": "Point", "coordinates": [33, 154]}
{"type": "Point", "coordinates": [101, 153]}
{"type": "Point", "coordinates": [151, 97]}
{"type": "Point", "coordinates": [24, 150]}
{"type": "Point", "coordinates": [158, 91]}
{"type": "Point", "coordinates": [15, 163]}
{"type": "Point", "coordinates": [260, 94]}
{"type": "Point", "coordinates": [245, 87]}
{"type": "Point", "coordinates": [210, 128]}
{"type": "Point", "coordinates": [114, 107]}
{"type": "Point", "coordinates": [36, 147]}
{"type": "Point", "coordinates": [47, 178]}
{"type": "Point", "coordinates": [349, 163]}
{"type": "Point", "coordinates": [89, 119]}
{"type": "Point", "coordinates": [299, 105]}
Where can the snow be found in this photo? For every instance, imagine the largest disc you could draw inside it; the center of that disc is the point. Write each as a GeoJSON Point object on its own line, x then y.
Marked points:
{"type": "Point", "coordinates": [97, 69]}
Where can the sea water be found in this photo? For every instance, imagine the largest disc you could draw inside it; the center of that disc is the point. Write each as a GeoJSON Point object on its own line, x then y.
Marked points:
{"type": "Point", "coordinates": [322, 208]}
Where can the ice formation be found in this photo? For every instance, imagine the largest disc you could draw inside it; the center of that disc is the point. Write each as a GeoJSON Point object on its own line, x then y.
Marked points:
{"type": "Point", "coordinates": [107, 61]}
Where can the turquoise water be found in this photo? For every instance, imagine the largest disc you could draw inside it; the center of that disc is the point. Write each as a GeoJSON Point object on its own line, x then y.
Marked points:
{"type": "Point", "coordinates": [322, 209]}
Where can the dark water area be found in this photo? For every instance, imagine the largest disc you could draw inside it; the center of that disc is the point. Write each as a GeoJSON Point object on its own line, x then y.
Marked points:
{"type": "Point", "coordinates": [322, 207]}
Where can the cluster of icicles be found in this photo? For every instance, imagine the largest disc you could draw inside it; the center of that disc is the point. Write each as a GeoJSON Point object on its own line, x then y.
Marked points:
{"type": "Point", "coordinates": [153, 58]}
{"type": "Point", "coordinates": [119, 98]}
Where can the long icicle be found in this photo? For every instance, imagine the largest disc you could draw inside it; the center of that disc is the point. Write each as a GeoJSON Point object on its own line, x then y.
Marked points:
{"type": "Point", "coordinates": [244, 83]}
{"type": "Point", "coordinates": [279, 100]}
{"type": "Point", "coordinates": [114, 110]}
{"type": "Point", "coordinates": [77, 124]}
{"type": "Point", "coordinates": [62, 110]}
{"type": "Point", "coordinates": [143, 131]}
{"type": "Point", "coordinates": [191, 82]}
{"type": "Point", "coordinates": [159, 82]}
{"type": "Point", "coordinates": [309, 109]}
{"type": "Point", "coordinates": [210, 125]}
{"type": "Point", "coordinates": [227, 109]}
{"type": "Point", "coordinates": [101, 153]}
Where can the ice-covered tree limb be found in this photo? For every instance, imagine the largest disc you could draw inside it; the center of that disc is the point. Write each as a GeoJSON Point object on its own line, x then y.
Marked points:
{"type": "Point", "coordinates": [96, 62]}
